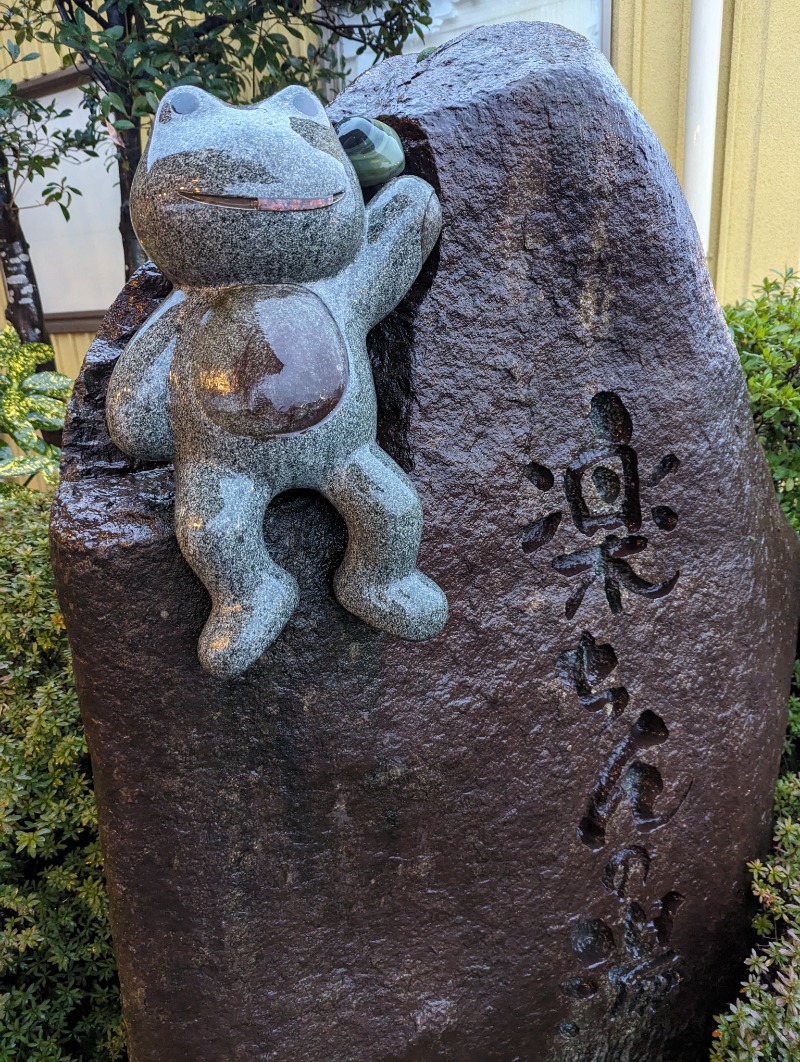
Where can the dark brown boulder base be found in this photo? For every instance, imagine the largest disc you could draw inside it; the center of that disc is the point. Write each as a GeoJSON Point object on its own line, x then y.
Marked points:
{"type": "Point", "coordinates": [525, 840]}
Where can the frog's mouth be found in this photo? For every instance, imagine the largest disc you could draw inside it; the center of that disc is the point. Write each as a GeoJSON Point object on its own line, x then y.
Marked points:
{"type": "Point", "coordinates": [238, 202]}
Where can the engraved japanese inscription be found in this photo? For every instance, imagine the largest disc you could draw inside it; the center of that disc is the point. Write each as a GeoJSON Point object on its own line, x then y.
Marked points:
{"type": "Point", "coordinates": [625, 966]}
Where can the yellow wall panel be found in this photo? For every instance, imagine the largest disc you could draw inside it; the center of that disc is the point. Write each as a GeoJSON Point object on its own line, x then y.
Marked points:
{"type": "Point", "coordinates": [755, 225]}
{"type": "Point", "coordinates": [650, 53]}
{"type": "Point", "coordinates": [70, 349]}
{"type": "Point", "coordinates": [759, 205]}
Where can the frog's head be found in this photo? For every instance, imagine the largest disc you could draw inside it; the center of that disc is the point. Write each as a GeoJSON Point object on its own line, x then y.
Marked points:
{"type": "Point", "coordinates": [246, 195]}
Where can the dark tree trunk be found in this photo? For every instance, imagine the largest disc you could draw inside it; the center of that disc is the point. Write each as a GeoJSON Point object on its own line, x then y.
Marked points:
{"type": "Point", "coordinates": [130, 156]}
{"type": "Point", "coordinates": [24, 309]}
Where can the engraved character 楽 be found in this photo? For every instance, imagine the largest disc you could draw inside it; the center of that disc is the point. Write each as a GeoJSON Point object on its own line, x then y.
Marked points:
{"type": "Point", "coordinates": [603, 493]}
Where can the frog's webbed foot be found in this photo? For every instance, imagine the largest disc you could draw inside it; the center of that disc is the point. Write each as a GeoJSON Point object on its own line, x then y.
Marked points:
{"type": "Point", "coordinates": [240, 628]}
{"type": "Point", "coordinates": [413, 607]}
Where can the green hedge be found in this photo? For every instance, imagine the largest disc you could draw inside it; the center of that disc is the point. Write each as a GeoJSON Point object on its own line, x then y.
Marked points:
{"type": "Point", "coordinates": [59, 997]}
{"type": "Point", "coordinates": [764, 1024]}
{"type": "Point", "coordinates": [766, 331]}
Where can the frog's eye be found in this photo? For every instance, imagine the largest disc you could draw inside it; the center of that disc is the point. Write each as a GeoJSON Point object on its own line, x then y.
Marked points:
{"type": "Point", "coordinates": [306, 103]}
{"type": "Point", "coordinates": [178, 102]}
{"type": "Point", "coordinates": [374, 149]}
{"type": "Point", "coordinates": [184, 102]}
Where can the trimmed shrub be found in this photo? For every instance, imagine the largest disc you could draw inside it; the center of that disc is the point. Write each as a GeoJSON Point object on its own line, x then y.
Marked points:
{"type": "Point", "coordinates": [764, 1024]}
{"type": "Point", "coordinates": [766, 331]}
{"type": "Point", "coordinates": [59, 998]}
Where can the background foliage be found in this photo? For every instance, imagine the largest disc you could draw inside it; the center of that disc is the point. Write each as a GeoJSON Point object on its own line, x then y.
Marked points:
{"type": "Point", "coordinates": [30, 402]}
{"type": "Point", "coordinates": [31, 145]}
{"type": "Point", "coordinates": [766, 331]}
{"type": "Point", "coordinates": [764, 1023]}
{"type": "Point", "coordinates": [58, 984]}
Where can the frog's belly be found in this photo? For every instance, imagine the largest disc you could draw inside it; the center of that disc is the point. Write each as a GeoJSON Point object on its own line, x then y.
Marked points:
{"type": "Point", "coordinates": [267, 361]}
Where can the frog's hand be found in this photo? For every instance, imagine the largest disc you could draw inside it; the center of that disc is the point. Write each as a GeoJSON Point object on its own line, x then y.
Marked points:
{"type": "Point", "coordinates": [403, 223]}
{"type": "Point", "coordinates": [136, 405]}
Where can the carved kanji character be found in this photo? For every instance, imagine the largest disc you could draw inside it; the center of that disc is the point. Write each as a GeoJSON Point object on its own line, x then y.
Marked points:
{"type": "Point", "coordinates": [616, 501]}
{"type": "Point", "coordinates": [606, 562]}
{"type": "Point", "coordinates": [585, 667]}
{"type": "Point", "coordinates": [624, 778]}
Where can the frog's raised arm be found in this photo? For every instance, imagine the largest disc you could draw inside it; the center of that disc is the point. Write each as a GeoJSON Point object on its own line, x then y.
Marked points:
{"type": "Point", "coordinates": [403, 222]}
{"type": "Point", "coordinates": [136, 405]}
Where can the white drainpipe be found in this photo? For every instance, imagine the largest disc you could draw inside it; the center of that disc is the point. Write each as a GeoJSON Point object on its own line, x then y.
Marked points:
{"type": "Point", "coordinates": [605, 29]}
{"type": "Point", "coordinates": [705, 43]}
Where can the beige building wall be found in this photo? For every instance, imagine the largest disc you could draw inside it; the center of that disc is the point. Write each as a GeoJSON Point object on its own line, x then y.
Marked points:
{"type": "Point", "coordinates": [756, 214]}
{"type": "Point", "coordinates": [69, 347]}
{"type": "Point", "coordinates": [759, 140]}
{"type": "Point", "coordinates": [755, 224]}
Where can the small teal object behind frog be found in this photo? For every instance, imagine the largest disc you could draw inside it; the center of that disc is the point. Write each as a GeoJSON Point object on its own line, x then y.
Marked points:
{"type": "Point", "coordinates": [253, 375]}
{"type": "Point", "coordinates": [374, 149]}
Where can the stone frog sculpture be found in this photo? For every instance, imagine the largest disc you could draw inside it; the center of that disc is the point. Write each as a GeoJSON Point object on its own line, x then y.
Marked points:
{"type": "Point", "coordinates": [253, 374]}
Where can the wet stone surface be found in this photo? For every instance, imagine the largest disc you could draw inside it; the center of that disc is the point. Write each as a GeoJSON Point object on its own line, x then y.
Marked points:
{"type": "Point", "coordinates": [525, 839]}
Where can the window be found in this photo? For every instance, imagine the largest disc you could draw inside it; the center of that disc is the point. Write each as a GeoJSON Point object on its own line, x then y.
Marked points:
{"type": "Point", "coordinates": [79, 263]}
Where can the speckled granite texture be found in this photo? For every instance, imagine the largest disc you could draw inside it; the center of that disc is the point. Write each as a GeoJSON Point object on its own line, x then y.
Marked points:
{"type": "Point", "coordinates": [253, 376]}
{"type": "Point", "coordinates": [525, 839]}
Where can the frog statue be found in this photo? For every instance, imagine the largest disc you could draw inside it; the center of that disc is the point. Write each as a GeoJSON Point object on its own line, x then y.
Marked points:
{"type": "Point", "coordinates": [253, 375]}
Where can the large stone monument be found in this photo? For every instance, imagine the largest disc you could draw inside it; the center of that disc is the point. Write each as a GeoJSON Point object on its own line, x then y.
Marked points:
{"type": "Point", "coordinates": [525, 838]}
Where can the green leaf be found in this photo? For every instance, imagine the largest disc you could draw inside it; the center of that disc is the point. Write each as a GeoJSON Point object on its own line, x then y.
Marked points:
{"type": "Point", "coordinates": [114, 100]}
{"type": "Point", "coordinates": [46, 414]}
{"type": "Point", "coordinates": [22, 466]}
{"type": "Point", "coordinates": [57, 959]}
{"type": "Point", "coordinates": [54, 384]}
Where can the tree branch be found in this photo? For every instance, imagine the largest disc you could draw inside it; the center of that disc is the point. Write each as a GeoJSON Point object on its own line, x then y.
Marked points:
{"type": "Point", "coordinates": [355, 32]}
{"type": "Point", "coordinates": [211, 23]}
{"type": "Point", "coordinates": [96, 71]}
{"type": "Point", "coordinates": [87, 9]}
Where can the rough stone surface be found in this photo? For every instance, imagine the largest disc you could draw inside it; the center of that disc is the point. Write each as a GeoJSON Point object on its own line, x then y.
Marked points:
{"type": "Point", "coordinates": [527, 838]}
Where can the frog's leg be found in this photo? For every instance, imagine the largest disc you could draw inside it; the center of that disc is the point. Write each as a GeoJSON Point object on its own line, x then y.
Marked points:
{"type": "Point", "coordinates": [219, 521]}
{"type": "Point", "coordinates": [378, 579]}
